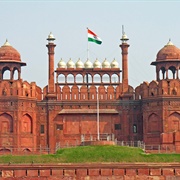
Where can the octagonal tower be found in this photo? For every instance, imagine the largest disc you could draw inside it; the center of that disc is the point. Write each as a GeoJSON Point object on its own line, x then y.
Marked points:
{"type": "Point", "coordinates": [10, 59]}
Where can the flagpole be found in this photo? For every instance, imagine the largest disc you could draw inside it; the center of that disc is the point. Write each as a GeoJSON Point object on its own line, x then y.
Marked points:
{"type": "Point", "coordinates": [97, 115]}
{"type": "Point", "coordinates": [87, 47]}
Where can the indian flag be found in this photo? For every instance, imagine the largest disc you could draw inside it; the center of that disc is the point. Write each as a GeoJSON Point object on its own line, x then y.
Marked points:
{"type": "Point", "coordinates": [92, 37]}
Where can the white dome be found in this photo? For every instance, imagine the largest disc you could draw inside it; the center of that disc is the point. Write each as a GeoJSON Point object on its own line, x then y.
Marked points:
{"type": "Point", "coordinates": [105, 64]}
{"type": "Point", "coordinates": [88, 64]}
{"type": "Point", "coordinates": [79, 64]}
{"type": "Point", "coordinates": [70, 64]}
{"type": "Point", "coordinates": [96, 64]}
{"type": "Point", "coordinates": [61, 64]}
{"type": "Point", "coordinates": [51, 37]}
{"type": "Point", "coordinates": [114, 64]}
{"type": "Point", "coordinates": [124, 36]}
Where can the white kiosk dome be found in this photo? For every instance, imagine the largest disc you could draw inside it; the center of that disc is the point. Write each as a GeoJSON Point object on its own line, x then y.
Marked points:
{"type": "Point", "coordinates": [79, 64]}
{"type": "Point", "coordinates": [105, 64]}
{"type": "Point", "coordinates": [88, 64]}
{"type": "Point", "coordinates": [114, 64]}
{"type": "Point", "coordinates": [61, 64]}
{"type": "Point", "coordinates": [96, 64]}
{"type": "Point", "coordinates": [70, 64]}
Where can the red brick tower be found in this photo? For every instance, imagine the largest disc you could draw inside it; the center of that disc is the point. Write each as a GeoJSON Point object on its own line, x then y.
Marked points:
{"type": "Point", "coordinates": [17, 104]}
{"type": "Point", "coordinates": [124, 46]}
{"type": "Point", "coordinates": [51, 93]}
{"type": "Point", "coordinates": [51, 85]}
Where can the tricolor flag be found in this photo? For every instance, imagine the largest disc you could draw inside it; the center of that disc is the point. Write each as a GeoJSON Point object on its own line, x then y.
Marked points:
{"type": "Point", "coordinates": [92, 37]}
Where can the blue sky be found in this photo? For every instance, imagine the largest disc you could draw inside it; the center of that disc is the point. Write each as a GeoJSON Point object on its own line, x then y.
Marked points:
{"type": "Point", "coordinates": [148, 25]}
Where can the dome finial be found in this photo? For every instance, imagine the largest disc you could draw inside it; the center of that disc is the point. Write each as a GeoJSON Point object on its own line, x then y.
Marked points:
{"type": "Point", "coordinates": [6, 43]}
{"type": "Point", "coordinates": [51, 37]}
{"type": "Point", "coordinates": [169, 43]}
{"type": "Point", "coordinates": [124, 38]}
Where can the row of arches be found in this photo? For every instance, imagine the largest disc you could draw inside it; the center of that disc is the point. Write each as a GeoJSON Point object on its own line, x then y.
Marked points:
{"type": "Point", "coordinates": [155, 124]}
{"type": "Point", "coordinates": [9, 150]}
{"type": "Point", "coordinates": [7, 124]}
{"type": "Point", "coordinates": [88, 78]}
{"type": "Point", "coordinates": [170, 72]}
{"type": "Point", "coordinates": [10, 73]}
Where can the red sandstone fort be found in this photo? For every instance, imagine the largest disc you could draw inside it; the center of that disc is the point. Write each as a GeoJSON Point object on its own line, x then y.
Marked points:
{"type": "Point", "coordinates": [85, 101]}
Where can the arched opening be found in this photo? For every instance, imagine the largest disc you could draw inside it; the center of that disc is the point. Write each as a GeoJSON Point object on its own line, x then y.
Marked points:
{"type": "Point", "coordinates": [26, 150]}
{"type": "Point", "coordinates": [97, 78]}
{"type": "Point", "coordinates": [153, 124]}
{"type": "Point", "coordinates": [171, 72]}
{"type": "Point", "coordinates": [15, 74]}
{"type": "Point", "coordinates": [88, 78]}
{"type": "Point", "coordinates": [173, 122]}
{"type": "Point", "coordinates": [79, 78]}
{"type": "Point", "coordinates": [6, 74]}
{"type": "Point", "coordinates": [5, 151]}
{"type": "Point", "coordinates": [105, 78]}
{"type": "Point", "coordinates": [6, 123]}
{"type": "Point", "coordinates": [70, 78]}
{"type": "Point", "coordinates": [26, 126]}
{"type": "Point", "coordinates": [61, 78]}
{"type": "Point", "coordinates": [114, 78]}
{"type": "Point", "coordinates": [162, 73]}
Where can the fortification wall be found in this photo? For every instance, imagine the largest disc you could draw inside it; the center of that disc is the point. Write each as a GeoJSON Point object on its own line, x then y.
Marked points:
{"type": "Point", "coordinates": [92, 171]}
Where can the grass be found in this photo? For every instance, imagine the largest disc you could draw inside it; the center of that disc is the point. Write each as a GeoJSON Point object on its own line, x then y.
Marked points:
{"type": "Point", "coordinates": [86, 154]}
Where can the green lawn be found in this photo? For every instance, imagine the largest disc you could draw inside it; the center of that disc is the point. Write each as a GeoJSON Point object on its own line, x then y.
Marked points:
{"type": "Point", "coordinates": [87, 154]}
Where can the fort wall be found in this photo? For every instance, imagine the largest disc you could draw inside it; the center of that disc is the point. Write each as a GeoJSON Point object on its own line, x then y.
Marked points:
{"type": "Point", "coordinates": [91, 171]}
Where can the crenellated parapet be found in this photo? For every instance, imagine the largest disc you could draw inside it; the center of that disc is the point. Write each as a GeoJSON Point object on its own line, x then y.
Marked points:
{"type": "Point", "coordinates": [158, 88]}
{"type": "Point", "coordinates": [19, 89]}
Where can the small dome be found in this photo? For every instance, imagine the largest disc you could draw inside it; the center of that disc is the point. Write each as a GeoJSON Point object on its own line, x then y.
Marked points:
{"type": "Point", "coordinates": [124, 38]}
{"type": "Point", "coordinates": [88, 64]}
{"type": "Point", "coordinates": [79, 64]}
{"type": "Point", "coordinates": [51, 37]}
{"type": "Point", "coordinates": [105, 64]}
{"type": "Point", "coordinates": [114, 64]}
{"type": "Point", "coordinates": [70, 64]}
{"type": "Point", "coordinates": [168, 52]}
{"type": "Point", "coordinates": [8, 53]}
{"type": "Point", "coordinates": [61, 64]}
{"type": "Point", "coordinates": [96, 64]}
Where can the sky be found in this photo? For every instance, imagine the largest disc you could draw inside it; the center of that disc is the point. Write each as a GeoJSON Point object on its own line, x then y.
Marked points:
{"type": "Point", "coordinates": [148, 24]}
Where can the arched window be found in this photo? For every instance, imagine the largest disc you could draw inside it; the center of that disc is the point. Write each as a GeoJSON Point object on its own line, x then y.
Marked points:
{"type": "Point", "coordinates": [79, 78]}
{"type": "Point", "coordinates": [70, 78]}
{"type": "Point", "coordinates": [26, 125]}
{"type": "Point", "coordinates": [153, 123]}
{"type": "Point", "coordinates": [6, 74]}
{"type": "Point", "coordinates": [105, 78]}
{"type": "Point", "coordinates": [171, 72]}
{"type": "Point", "coordinates": [61, 78]}
{"type": "Point", "coordinates": [6, 123]}
{"type": "Point", "coordinates": [162, 73]}
{"type": "Point", "coordinates": [88, 78]}
{"type": "Point", "coordinates": [114, 78]}
{"type": "Point", "coordinates": [173, 122]}
{"type": "Point", "coordinates": [15, 74]}
{"type": "Point", "coordinates": [134, 128]}
{"type": "Point", "coordinates": [97, 78]}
